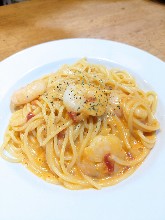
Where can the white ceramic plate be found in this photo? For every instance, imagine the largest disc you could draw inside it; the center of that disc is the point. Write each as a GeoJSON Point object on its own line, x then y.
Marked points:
{"type": "Point", "coordinates": [25, 196]}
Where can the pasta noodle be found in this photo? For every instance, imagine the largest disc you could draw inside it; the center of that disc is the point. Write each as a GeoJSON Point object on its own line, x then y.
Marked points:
{"type": "Point", "coordinates": [84, 126]}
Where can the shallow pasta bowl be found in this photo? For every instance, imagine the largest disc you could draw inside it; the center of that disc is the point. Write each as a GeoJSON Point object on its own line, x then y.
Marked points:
{"type": "Point", "coordinates": [141, 196]}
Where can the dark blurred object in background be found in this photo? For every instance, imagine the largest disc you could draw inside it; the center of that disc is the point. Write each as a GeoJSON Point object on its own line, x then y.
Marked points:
{"type": "Point", "coordinates": [158, 1]}
{"type": "Point", "coordinates": [7, 2]}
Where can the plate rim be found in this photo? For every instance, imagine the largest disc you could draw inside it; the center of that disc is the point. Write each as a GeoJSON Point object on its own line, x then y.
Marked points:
{"type": "Point", "coordinates": [119, 43]}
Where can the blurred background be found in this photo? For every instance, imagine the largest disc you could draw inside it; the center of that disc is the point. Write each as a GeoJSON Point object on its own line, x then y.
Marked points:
{"type": "Point", "coordinates": [7, 2]}
{"type": "Point", "coordinates": [24, 23]}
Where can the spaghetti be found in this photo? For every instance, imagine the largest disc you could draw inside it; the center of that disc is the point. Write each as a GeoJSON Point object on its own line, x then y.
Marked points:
{"type": "Point", "coordinates": [83, 126]}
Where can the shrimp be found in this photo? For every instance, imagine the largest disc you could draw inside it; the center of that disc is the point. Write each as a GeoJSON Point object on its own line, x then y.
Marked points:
{"type": "Point", "coordinates": [103, 145]}
{"type": "Point", "coordinates": [114, 103]}
{"type": "Point", "coordinates": [96, 162]}
{"type": "Point", "coordinates": [85, 99]}
{"type": "Point", "coordinates": [141, 113]}
{"type": "Point", "coordinates": [28, 93]}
